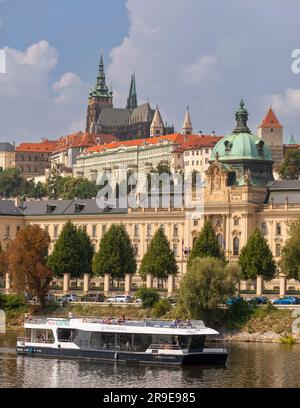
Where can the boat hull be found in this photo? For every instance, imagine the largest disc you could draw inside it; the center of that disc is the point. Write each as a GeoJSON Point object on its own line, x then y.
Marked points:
{"type": "Point", "coordinates": [205, 357]}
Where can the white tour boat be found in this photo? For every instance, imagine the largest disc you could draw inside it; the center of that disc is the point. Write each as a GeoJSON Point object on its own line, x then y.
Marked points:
{"type": "Point", "coordinates": [148, 341]}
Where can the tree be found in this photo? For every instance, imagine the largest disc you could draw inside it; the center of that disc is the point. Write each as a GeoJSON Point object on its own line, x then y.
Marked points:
{"type": "Point", "coordinates": [289, 169]}
{"type": "Point", "coordinates": [27, 262]}
{"type": "Point", "coordinates": [256, 258]}
{"type": "Point", "coordinates": [206, 244]}
{"type": "Point", "coordinates": [54, 185]}
{"type": "Point", "coordinates": [290, 257]}
{"type": "Point", "coordinates": [12, 183]}
{"type": "Point", "coordinates": [115, 255]}
{"type": "Point", "coordinates": [69, 253]}
{"type": "Point", "coordinates": [3, 262]}
{"type": "Point", "coordinates": [78, 188]}
{"type": "Point", "coordinates": [159, 260]}
{"type": "Point", "coordinates": [205, 286]}
{"type": "Point", "coordinates": [87, 250]}
{"type": "Point", "coordinates": [148, 296]}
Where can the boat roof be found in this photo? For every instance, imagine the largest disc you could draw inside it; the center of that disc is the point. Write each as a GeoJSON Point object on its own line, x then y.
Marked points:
{"type": "Point", "coordinates": [147, 326]}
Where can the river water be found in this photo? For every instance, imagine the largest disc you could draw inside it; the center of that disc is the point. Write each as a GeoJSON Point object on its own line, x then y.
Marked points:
{"type": "Point", "coordinates": [248, 365]}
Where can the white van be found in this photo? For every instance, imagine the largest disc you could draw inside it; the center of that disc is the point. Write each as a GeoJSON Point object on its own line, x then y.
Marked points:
{"type": "Point", "coordinates": [120, 299]}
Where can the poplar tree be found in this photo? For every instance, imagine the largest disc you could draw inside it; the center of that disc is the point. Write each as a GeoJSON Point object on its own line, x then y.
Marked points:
{"type": "Point", "coordinates": [159, 260]}
{"type": "Point", "coordinates": [115, 255]}
{"type": "Point", "coordinates": [290, 258]}
{"type": "Point", "coordinates": [206, 244]}
{"type": "Point", "coordinates": [256, 258]}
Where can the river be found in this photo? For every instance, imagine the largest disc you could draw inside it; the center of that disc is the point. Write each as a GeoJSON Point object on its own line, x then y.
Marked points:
{"type": "Point", "coordinates": [248, 365]}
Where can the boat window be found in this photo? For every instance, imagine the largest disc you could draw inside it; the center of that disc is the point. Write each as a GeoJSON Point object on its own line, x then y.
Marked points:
{"type": "Point", "coordinates": [196, 342]}
{"type": "Point", "coordinates": [65, 334]}
{"type": "Point", "coordinates": [103, 341]}
{"type": "Point", "coordinates": [39, 336]}
{"type": "Point", "coordinates": [141, 342]}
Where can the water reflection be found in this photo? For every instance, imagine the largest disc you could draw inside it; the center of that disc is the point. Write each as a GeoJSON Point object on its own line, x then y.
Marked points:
{"type": "Point", "coordinates": [249, 365]}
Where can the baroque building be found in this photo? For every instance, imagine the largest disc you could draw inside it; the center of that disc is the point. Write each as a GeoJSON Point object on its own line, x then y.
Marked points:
{"type": "Point", "coordinates": [132, 122]}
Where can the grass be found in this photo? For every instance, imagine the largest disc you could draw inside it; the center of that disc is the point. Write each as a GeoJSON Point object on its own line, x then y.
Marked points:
{"type": "Point", "coordinates": [287, 339]}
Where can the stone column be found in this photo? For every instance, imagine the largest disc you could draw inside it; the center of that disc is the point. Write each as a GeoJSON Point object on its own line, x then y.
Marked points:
{"type": "Point", "coordinates": [106, 283]}
{"type": "Point", "coordinates": [243, 285]}
{"type": "Point", "coordinates": [7, 283]}
{"type": "Point", "coordinates": [86, 283]}
{"type": "Point", "coordinates": [128, 279]}
{"type": "Point", "coordinates": [66, 283]}
{"type": "Point", "coordinates": [170, 285]}
{"type": "Point", "coordinates": [149, 283]}
{"type": "Point", "coordinates": [282, 285]}
{"type": "Point", "coordinates": [259, 285]}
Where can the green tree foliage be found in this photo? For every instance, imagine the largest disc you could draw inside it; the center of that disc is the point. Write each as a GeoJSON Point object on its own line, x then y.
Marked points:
{"type": "Point", "coordinates": [290, 257]}
{"type": "Point", "coordinates": [206, 285]}
{"type": "Point", "coordinates": [148, 296]}
{"type": "Point", "coordinates": [161, 307]}
{"type": "Point", "coordinates": [115, 255]}
{"type": "Point", "coordinates": [256, 258]}
{"type": "Point", "coordinates": [35, 190]}
{"type": "Point", "coordinates": [54, 185]}
{"type": "Point", "coordinates": [206, 244]}
{"type": "Point", "coordinates": [87, 250]}
{"type": "Point", "coordinates": [12, 183]}
{"type": "Point", "coordinates": [79, 188]}
{"type": "Point", "coordinates": [159, 260]}
{"type": "Point", "coordinates": [289, 169]}
{"type": "Point", "coordinates": [71, 252]}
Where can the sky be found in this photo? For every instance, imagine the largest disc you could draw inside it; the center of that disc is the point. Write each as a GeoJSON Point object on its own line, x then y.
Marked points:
{"type": "Point", "coordinates": [207, 54]}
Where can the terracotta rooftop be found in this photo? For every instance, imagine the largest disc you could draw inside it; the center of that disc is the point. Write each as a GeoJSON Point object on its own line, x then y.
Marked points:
{"type": "Point", "coordinates": [176, 138]}
{"type": "Point", "coordinates": [199, 142]}
{"type": "Point", "coordinates": [81, 139]}
{"type": "Point", "coordinates": [45, 146]}
{"type": "Point", "coordinates": [270, 120]}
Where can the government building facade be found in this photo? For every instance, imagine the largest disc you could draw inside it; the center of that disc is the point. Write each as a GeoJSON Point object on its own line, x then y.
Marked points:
{"type": "Point", "coordinates": [239, 195]}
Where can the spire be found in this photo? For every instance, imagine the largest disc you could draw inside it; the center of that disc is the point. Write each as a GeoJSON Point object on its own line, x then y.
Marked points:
{"type": "Point", "coordinates": [132, 98]}
{"type": "Point", "coordinates": [241, 116]}
{"type": "Point", "coordinates": [292, 140]}
{"type": "Point", "coordinates": [157, 126]}
{"type": "Point", "coordinates": [187, 128]}
{"type": "Point", "coordinates": [270, 120]}
{"type": "Point", "coordinates": [101, 89]}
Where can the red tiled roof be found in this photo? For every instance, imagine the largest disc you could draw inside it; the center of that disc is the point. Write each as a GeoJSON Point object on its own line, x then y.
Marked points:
{"type": "Point", "coordinates": [176, 138]}
{"type": "Point", "coordinates": [271, 121]}
{"type": "Point", "coordinates": [80, 139]}
{"type": "Point", "coordinates": [200, 142]}
{"type": "Point", "coordinates": [46, 146]}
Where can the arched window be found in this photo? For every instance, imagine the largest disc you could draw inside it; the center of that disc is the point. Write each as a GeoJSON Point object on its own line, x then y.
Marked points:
{"type": "Point", "coordinates": [236, 246]}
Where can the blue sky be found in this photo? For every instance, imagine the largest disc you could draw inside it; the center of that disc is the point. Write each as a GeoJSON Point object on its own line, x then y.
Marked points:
{"type": "Point", "coordinates": [207, 54]}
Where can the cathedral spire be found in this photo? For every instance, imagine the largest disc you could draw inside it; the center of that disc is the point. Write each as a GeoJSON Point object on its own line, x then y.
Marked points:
{"type": "Point", "coordinates": [187, 128]}
{"type": "Point", "coordinates": [132, 98]}
{"type": "Point", "coordinates": [101, 89]}
{"type": "Point", "coordinates": [157, 125]}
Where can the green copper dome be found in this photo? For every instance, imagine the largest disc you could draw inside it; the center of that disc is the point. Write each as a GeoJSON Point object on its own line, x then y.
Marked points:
{"type": "Point", "coordinates": [241, 144]}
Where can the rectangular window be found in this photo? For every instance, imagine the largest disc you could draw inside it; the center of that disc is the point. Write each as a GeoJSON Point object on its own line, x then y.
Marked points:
{"type": "Point", "coordinates": [55, 231]}
{"type": "Point", "coordinates": [7, 231]}
{"type": "Point", "coordinates": [206, 151]}
{"type": "Point", "coordinates": [84, 227]}
{"type": "Point", "coordinates": [149, 230]}
{"type": "Point", "coordinates": [264, 230]}
{"type": "Point", "coordinates": [175, 249]}
{"type": "Point", "coordinates": [236, 221]}
{"type": "Point", "coordinates": [136, 230]}
{"type": "Point", "coordinates": [18, 228]}
{"type": "Point", "coordinates": [103, 229]}
{"type": "Point", "coordinates": [136, 249]}
{"type": "Point", "coordinates": [46, 228]}
{"type": "Point", "coordinates": [175, 230]}
{"type": "Point", "coordinates": [278, 228]}
{"type": "Point", "coordinates": [206, 160]}
{"type": "Point", "coordinates": [94, 231]}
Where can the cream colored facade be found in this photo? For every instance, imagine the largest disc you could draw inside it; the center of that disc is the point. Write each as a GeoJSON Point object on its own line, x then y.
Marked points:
{"type": "Point", "coordinates": [7, 159]}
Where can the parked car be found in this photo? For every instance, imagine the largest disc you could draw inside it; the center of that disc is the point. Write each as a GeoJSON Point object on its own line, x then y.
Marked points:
{"type": "Point", "coordinates": [50, 297]}
{"type": "Point", "coordinates": [258, 300]}
{"type": "Point", "coordinates": [68, 298]}
{"type": "Point", "coordinates": [120, 299]}
{"type": "Point", "coordinates": [93, 297]}
{"type": "Point", "coordinates": [234, 299]}
{"type": "Point", "coordinates": [287, 300]}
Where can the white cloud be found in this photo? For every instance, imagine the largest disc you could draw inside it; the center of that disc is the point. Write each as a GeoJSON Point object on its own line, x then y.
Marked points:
{"type": "Point", "coordinates": [203, 69]}
{"type": "Point", "coordinates": [30, 106]}
{"type": "Point", "coordinates": [287, 104]}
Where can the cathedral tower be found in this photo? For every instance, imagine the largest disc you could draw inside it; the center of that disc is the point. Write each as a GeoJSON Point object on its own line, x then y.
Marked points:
{"type": "Point", "coordinates": [132, 98]}
{"type": "Point", "coordinates": [157, 125]}
{"type": "Point", "coordinates": [187, 128]}
{"type": "Point", "coordinates": [99, 97]}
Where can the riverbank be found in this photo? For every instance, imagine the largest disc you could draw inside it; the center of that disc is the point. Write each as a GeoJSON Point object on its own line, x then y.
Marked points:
{"type": "Point", "coordinates": [260, 324]}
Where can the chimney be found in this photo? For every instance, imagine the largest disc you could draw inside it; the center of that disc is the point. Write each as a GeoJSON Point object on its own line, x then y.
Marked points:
{"type": "Point", "coordinates": [213, 133]}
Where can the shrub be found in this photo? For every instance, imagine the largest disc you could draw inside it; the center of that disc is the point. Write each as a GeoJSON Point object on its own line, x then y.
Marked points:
{"type": "Point", "coordinates": [287, 339]}
{"type": "Point", "coordinates": [149, 296]}
{"type": "Point", "coordinates": [161, 307]}
{"type": "Point", "coordinates": [10, 302]}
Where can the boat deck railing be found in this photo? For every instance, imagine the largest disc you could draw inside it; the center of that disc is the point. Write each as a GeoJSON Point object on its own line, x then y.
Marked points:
{"type": "Point", "coordinates": [23, 340]}
{"type": "Point", "coordinates": [165, 347]}
{"type": "Point", "coordinates": [178, 324]}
